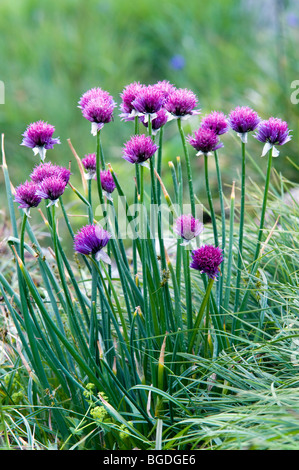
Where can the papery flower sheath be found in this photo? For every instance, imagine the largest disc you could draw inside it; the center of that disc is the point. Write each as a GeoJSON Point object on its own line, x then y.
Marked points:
{"type": "Point", "coordinates": [39, 137]}
{"type": "Point", "coordinates": [44, 170]}
{"type": "Point", "coordinates": [51, 188]}
{"type": "Point", "coordinates": [180, 103]}
{"type": "Point", "coordinates": [92, 94]}
{"type": "Point", "coordinates": [90, 240]}
{"type": "Point", "coordinates": [139, 149]}
{"type": "Point", "coordinates": [148, 102]}
{"type": "Point", "coordinates": [216, 122]}
{"type": "Point", "coordinates": [272, 132]}
{"type": "Point", "coordinates": [97, 107]}
{"type": "Point", "coordinates": [187, 227]}
{"type": "Point", "coordinates": [205, 141]}
{"type": "Point", "coordinates": [90, 164]}
{"type": "Point", "coordinates": [26, 195]}
{"type": "Point", "coordinates": [243, 120]}
{"type": "Point", "coordinates": [166, 87]}
{"type": "Point", "coordinates": [130, 92]}
{"type": "Point", "coordinates": [207, 259]}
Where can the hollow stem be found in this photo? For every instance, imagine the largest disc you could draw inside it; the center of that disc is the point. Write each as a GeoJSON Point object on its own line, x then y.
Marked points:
{"type": "Point", "coordinates": [260, 233]}
{"type": "Point", "coordinates": [241, 229]}
{"type": "Point", "coordinates": [22, 236]}
{"type": "Point", "coordinates": [188, 164]}
{"type": "Point", "coordinates": [210, 200]}
{"type": "Point", "coordinates": [200, 314]}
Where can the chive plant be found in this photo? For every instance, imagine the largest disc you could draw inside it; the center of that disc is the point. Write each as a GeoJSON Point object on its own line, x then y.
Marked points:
{"type": "Point", "coordinates": [121, 330]}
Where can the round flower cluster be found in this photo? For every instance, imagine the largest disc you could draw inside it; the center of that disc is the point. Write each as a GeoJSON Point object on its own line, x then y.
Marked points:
{"type": "Point", "coordinates": [47, 181]}
{"type": "Point", "coordinates": [187, 227]}
{"type": "Point", "coordinates": [89, 163]}
{"type": "Point", "coordinates": [207, 259]}
{"type": "Point", "coordinates": [90, 240]}
{"type": "Point", "coordinates": [39, 137]}
{"type": "Point", "coordinates": [206, 139]}
{"type": "Point", "coordinates": [160, 103]}
{"type": "Point", "coordinates": [139, 149]}
{"type": "Point", "coordinates": [97, 106]}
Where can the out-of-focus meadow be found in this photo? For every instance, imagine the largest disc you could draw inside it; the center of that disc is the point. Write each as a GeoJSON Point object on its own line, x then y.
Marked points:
{"type": "Point", "coordinates": [229, 53]}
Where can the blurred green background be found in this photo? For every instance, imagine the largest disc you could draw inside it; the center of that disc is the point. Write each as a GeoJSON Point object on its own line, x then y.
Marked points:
{"type": "Point", "coordinates": [228, 52]}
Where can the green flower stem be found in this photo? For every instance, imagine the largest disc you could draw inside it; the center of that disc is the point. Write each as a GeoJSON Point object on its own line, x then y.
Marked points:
{"type": "Point", "coordinates": [89, 190]}
{"type": "Point", "coordinates": [223, 232]}
{"type": "Point", "coordinates": [143, 243]}
{"type": "Point", "coordinates": [263, 213]}
{"type": "Point", "coordinates": [260, 232]}
{"type": "Point", "coordinates": [152, 165]}
{"type": "Point", "coordinates": [200, 314]}
{"type": "Point", "coordinates": [98, 168]}
{"type": "Point", "coordinates": [210, 200]}
{"type": "Point", "coordinates": [22, 235]}
{"type": "Point", "coordinates": [207, 325]}
{"type": "Point", "coordinates": [100, 150]}
{"type": "Point", "coordinates": [180, 202]}
{"type": "Point", "coordinates": [136, 125]}
{"type": "Point", "coordinates": [152, 170]}
{"type": "Point", "coordinates": [115, 295]}
{"type": "Point", "coordinates": [221, 199]}
{"type": "Point", "coordinates": [137, 192]}
{"type": "Point", "coordinates": [188, 164]}
{"type": "Point", "coordinates": [230, 250]}
{"type": "Point", "coordinates": [159, 163]}
{"type": "Point", "coordinates": [150, 126]}
{"type": "Point", "coordinates": [241, 229]}
{"type": "Point", "coordinates": [93, 334]}
{"type": "Point", "coordinates": [189, 312]}
{"type": "Point", "coordinates": [66, 218]}
{"type": "Point", "coordinates": [69, 307]}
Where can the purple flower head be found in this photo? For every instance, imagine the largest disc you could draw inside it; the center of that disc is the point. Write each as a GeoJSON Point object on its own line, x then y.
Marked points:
{"type": "Point", "coordinates": [187, 227]}
{"type": "Point", "coordinates": [148, 101]}
{"type": "Point", "coordinates": [215, 121]}
{"type": "Point", "coordinates": [90, 240]}
{"type": "Point", "coordinates": [90, 164]}
{"type": "Point", "coordinates": [166, 87]}
{"type": "Point", "coordinates": [128, 95]}
{"type": "Point", "coordinates": [99, 111]}
{"type": "Point", "coordinates": [159, 121]}
{"type": "Point", "coordinates": [39, 137]}
{"type": "Point", "coordinates": [243, 120]}
{"type": "Point", "coordinates": [207, 259]}
{"type": "Point", "coordinates": [51, 188]}
{"type": "Point", "coordinates": [139, 149]}
{"type": "Point", "coordinates": [26, 196]}
{"type": "Point", "coordinates": [92, 94]}
{"type": "Point", "coordinates": [107, 182]}
{"type": "Point", "coordinates": [272, 132]}
{"type": "Point", "coordinates": [181, 103]}
{"type": "Point", "coordinates": [204, 140]}
{"type": "Point", "coordinates": [44, 170]}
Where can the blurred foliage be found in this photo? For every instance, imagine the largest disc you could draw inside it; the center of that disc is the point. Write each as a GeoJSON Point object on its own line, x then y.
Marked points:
{"type": "Point", "coordinates": [229, 53]}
